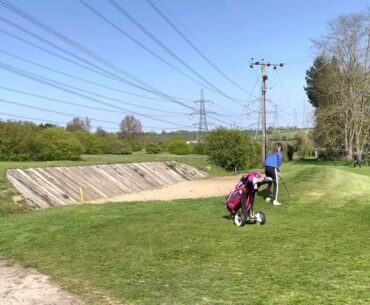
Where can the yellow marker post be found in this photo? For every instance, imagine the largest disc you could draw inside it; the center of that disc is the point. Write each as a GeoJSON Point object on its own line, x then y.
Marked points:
{"type": "Point", "coordinates": [81, 195]}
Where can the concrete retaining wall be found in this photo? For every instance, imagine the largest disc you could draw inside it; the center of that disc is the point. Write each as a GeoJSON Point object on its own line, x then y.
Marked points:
{"type": "Point", "coordinates": [54, 186]}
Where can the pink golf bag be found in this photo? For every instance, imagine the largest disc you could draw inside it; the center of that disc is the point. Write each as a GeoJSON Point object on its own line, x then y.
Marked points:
{"type": "Point", "coordinates": [247, 186]}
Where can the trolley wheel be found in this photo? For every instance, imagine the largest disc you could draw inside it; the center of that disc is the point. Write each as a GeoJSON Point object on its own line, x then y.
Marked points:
{"type": "Point", "coordinates": [239, 219]}
{"type": "Point", "coordinates": [260, 218]}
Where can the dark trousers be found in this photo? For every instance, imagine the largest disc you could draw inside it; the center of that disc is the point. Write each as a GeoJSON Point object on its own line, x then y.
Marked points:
{"type": "Point", "coordinates": [357, 162]}
{"type": "Point", "coordinates": [247, 202]}
{"type": "Point", "coordinates": [272, 173]}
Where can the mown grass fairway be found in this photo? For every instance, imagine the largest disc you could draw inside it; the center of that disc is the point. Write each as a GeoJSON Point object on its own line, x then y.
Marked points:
{"type": "Point", "coordinates": [315, 249]}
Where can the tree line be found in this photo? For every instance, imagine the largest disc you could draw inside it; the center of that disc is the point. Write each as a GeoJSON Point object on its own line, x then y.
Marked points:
{"type": "Point", "coordinates": [27, 141]}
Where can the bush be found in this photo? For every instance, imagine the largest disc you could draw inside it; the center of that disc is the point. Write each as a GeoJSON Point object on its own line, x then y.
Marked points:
{"type": "Point", "coordinates": [153, 148]}
{"type": "Point", "coordinates": [304, 144]}
{"type": "Point", "coordinates": [230, 149]}
{"type": "Point", "coordinates": [113, 145]}
{"type": "Point", "coordinates": [254, 154]}
{"type": "Point", "coordinates": [136, 146]}
{"type": "Point", "coordinates": [289, 150]}
{"type": "Point", "coordinates": [163, 146]}
{"type": "Point", "coordinates": [91, 143]}
{"type": "Point", "coordinates": [57, 144]}
{"type": "Point", "coordinates": [179, 147]}
{"type": "Point", "coordinates": [199, 148]}
{"type": "Point", "coordinates": [17, 141]}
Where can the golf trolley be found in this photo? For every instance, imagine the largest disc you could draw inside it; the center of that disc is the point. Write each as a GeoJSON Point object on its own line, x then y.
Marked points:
{"type": "Point", "coordinates": [240, 201]}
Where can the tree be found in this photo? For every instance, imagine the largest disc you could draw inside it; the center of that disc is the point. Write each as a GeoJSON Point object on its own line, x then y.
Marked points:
{"type": "Point", "coordinates": [100, 132]}
{"type": "Point", "coordinates": [324, 93]}
{"type": "Point", "coordinates": [130, 127]}
{"type": "Point", "coordinates": [347, 45]}
{"type": "Point", "coordinates": [46, 125]}
{"type": "Point", "coordinates": [78, 123]}
{"type": "Point", "coordinates": [318, 79]}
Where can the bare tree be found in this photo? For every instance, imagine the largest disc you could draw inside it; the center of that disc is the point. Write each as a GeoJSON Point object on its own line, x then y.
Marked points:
{"type": "Point", "coordinates": [130, 127]}
{"type": "Point", "coordinates": [78, 123]}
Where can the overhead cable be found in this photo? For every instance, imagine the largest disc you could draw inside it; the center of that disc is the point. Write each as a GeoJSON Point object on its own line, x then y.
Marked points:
{"type": "Point", "coordinates": [169, 51]}
{"type": "Point", "coordinates": [176, 29]}
{"type": "Point", "coordinates": [135, 81]}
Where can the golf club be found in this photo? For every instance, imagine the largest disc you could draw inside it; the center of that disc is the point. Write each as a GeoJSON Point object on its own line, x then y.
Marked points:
{"type": "Point", "coordinates": [285, 187]}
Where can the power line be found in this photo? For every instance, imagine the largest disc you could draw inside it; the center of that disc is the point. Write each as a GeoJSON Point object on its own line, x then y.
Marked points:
{"type": "Point", "coordinates": [51, 111]}
{"type": "Point", "coordinates": [176, 29]}
{"type": "Point", "coordinates": [162, 45]}
{"type": "Point", "coordinates": [219, 120]}
{"type": "Point", "coordinates": [86, 51]}
{"type": "Point", "coordinates": [28, 118]}
{"type": "Point", "coordinates": [57, 85]}
{"type": "Point", "coordinates": [283, 87]}
{"type": "Point", "coordinates": [86, 81]}
{"type": "Point", "coordinates": [91, 54]}
{"type": "Point", "coordinates": [32, 118]}
{"type": "Point", "coordinates": [52, 83]}
{"type": "Point", "coordinates": [74, 104]}
{"type": "Point", "coordinates": [120, 30]}
{"type": "Point", "coordinates": [80, 65]}
{"type": "Point", "coordinates": [279, 101]}
{"type": "Point", "coordinates": [64, 123]}
{"type": "Point", "coordinates": [294, 58]}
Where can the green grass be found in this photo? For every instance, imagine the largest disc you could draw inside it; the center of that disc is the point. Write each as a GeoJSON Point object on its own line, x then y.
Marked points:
{"type": "Point", "coordinates": [8, 194]}
{"type": "Point", "coordinates": [314, 249]}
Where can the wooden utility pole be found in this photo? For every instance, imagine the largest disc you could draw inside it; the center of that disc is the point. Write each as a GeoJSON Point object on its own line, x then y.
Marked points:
{"type": "Point", "coordinates": [263, 66]}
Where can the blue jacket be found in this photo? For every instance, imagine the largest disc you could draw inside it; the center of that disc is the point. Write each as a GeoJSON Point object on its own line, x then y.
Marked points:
{"type": "Point", "coordinates": [274, 159]}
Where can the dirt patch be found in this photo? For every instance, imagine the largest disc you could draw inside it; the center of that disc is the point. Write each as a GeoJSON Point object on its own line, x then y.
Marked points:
{"type": "Point", "coordinates": [17, 199]}
{"type": "Point", "coordinates": [212, 187]}
{"type": "Point", "coordinates": [21, 286]}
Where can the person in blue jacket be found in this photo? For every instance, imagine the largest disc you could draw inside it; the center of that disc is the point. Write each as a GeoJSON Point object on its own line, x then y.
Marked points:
{"type": "Point", "coordinates": [272, 169]}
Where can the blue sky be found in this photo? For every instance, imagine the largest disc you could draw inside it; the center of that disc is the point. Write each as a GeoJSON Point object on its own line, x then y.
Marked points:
{"type": "Point", "coordinates": [229, 33]}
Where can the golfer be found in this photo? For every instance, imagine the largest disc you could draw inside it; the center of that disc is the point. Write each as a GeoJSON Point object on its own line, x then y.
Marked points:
{"type": "Point", "coordinates": [272, 169]}
{"type": "Point", "coordinates": [357, 161]}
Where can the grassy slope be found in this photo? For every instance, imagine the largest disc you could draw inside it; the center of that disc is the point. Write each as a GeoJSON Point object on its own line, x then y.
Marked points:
{"type": "Point", "coordinates": [315, 249]}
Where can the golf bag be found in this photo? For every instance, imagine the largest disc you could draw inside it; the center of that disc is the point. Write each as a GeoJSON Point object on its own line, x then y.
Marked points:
{"type": "Point", "coordinates": [242, 198]}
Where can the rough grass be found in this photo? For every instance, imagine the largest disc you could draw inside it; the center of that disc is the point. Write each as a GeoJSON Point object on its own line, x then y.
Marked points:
{"type": "Point", "coordinates": [314, 249]}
